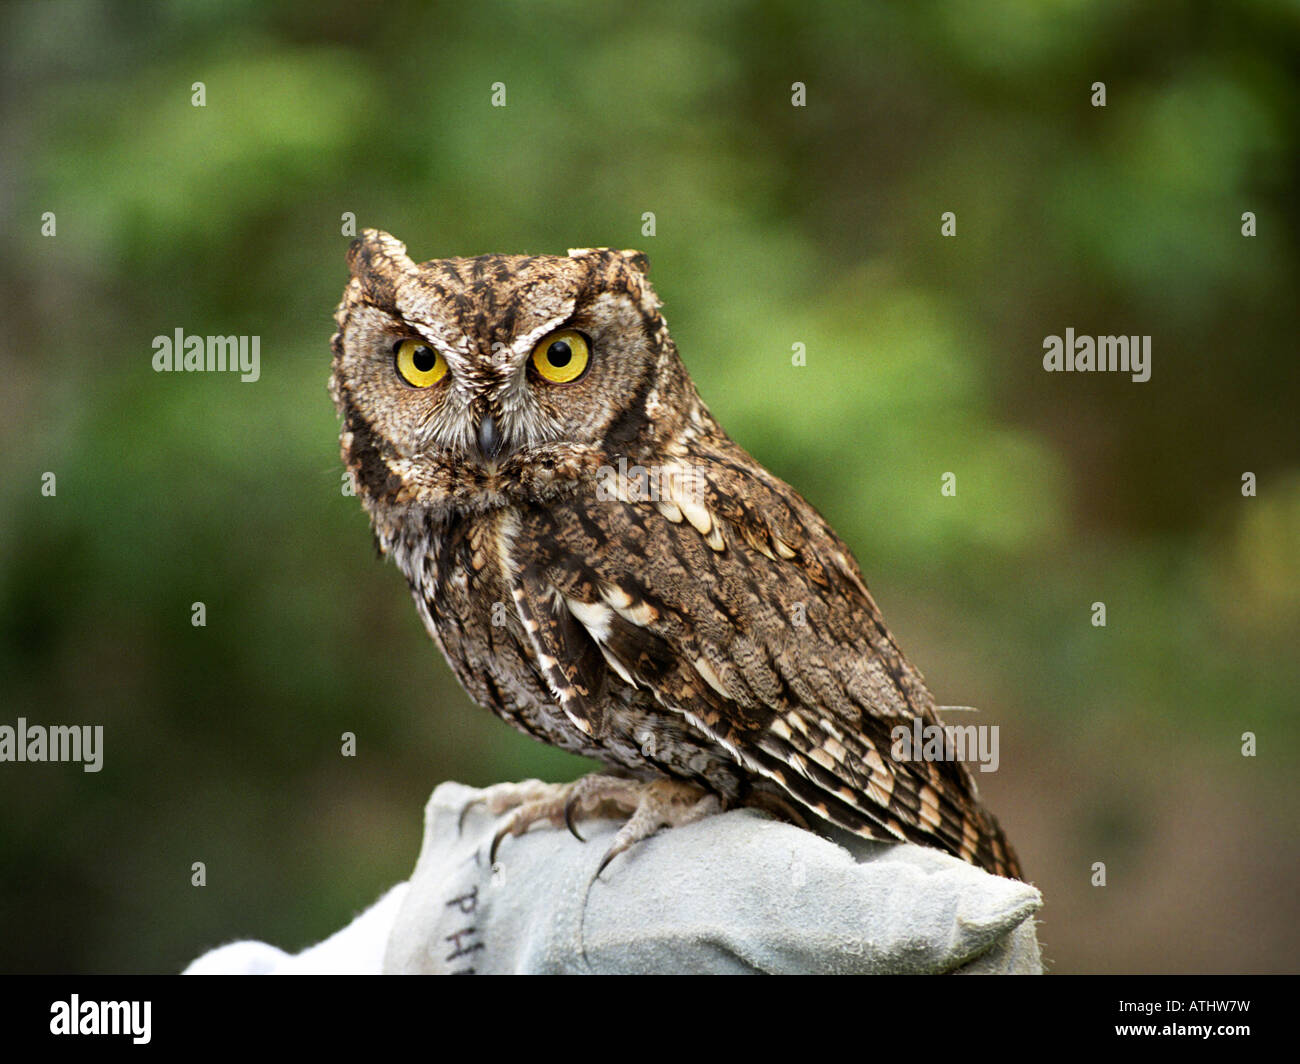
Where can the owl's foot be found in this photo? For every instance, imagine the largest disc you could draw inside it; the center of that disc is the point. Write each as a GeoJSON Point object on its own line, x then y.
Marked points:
{"type": "Point", "coordinates": [649, 807]}
{"type": "Point", "coordinates": [533, 802]}
{"type": "Point", "coordinates": [504, 797]}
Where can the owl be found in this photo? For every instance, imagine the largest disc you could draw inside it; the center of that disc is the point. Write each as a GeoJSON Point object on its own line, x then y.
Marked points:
{"type": "Point", "coordinates": [608, 572]}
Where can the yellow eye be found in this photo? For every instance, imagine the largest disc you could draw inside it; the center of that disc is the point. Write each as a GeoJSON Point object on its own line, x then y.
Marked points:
{"type": "Point", "coordinates": [562, 357]}
{"type": "Point", "coordinates": [418, 363]}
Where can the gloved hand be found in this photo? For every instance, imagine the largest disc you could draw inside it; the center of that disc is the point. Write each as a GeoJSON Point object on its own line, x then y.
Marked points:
{"type": "Point", "coordinates": [737, 892]}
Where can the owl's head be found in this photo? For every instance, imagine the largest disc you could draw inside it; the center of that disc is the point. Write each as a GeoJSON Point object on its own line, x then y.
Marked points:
{"type": "Point", "coordinates": [465, 382]}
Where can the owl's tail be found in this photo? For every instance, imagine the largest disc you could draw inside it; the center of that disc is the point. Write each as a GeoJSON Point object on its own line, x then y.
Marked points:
{"type": "Point", "coordinates": [992, 852]}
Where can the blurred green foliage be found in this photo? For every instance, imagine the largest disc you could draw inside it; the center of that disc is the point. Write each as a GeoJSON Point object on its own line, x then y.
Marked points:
{"type": "Point", "coordinates": [776, 225]}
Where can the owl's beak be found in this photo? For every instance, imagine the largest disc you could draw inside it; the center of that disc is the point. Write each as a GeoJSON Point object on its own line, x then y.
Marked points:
{"type": "Point", "coordinates": [490, 440]}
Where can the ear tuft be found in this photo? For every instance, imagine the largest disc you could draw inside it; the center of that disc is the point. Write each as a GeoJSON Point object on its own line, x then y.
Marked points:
{"type": "Point", "coordinates": [380, 264]}
{"type": "Point", "coordinates": [376, 251]}
{"type": "Point", "coordinates": [636, 259]}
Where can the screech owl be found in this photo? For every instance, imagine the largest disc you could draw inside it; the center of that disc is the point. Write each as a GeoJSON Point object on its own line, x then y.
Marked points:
{"type": "Point", "coordinates": [607, 571]}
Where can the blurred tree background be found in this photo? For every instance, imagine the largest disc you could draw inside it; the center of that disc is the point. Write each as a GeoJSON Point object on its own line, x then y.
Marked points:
{"type": "Point", "coordinates": [775, 225]}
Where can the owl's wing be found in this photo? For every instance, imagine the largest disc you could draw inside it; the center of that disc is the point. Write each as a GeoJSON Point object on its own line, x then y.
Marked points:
{"type": "Point", "coordinates": [728, 598]}
{"type": "Point", "coordinates": [570, 659]}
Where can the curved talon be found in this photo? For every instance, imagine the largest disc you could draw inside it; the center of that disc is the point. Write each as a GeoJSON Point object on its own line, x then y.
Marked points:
{"type": "Point", "coordinates": [568, 817]}
{"type": "Point", "coordinates": [614, 851]}
{"type": "Point", "coordinates": [502, 832]}
{"type": "Point", "coordinates": [464, 812]}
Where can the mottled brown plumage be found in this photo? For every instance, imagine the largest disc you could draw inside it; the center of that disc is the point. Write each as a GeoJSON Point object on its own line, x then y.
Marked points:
{"type": "Point", "coordinates": [603, 567]}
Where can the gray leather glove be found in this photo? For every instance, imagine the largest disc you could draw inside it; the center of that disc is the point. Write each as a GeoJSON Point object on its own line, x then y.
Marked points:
{"type": "Point", "coordinates": [736, 892]}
